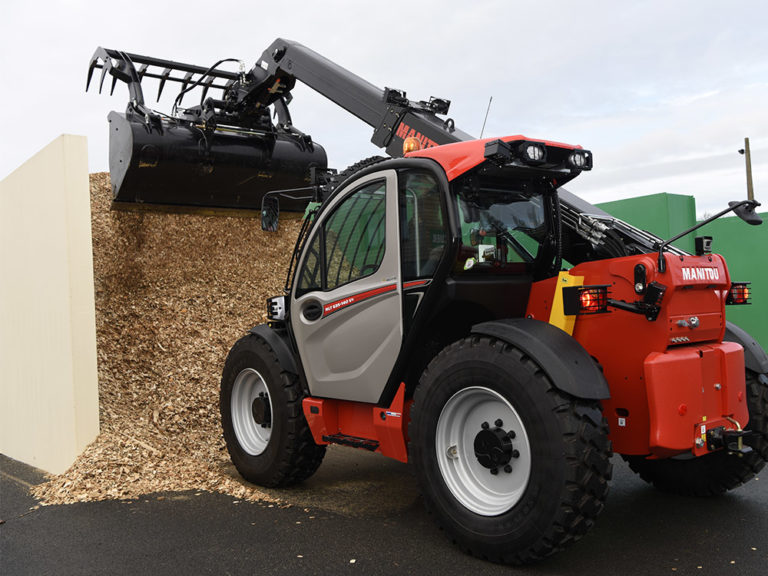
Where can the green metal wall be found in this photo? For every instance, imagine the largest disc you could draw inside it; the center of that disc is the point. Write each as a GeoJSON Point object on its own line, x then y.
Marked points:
{"type": "Point", "coordinates": [744, 247]}
{"type": "Point", "coordinates": [662, 214]}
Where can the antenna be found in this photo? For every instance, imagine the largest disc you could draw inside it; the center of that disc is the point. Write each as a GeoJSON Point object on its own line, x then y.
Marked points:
{"type": "Point", "coordinates": [486, 116]}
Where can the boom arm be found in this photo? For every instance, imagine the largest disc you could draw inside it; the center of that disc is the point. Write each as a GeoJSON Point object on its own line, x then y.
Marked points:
{"type": "Point", "coordinates": [392, 116]}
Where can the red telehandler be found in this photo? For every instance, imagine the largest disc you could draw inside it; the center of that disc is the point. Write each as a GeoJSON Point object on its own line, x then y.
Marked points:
{"type": "Point", "coordinates": [457, 309]}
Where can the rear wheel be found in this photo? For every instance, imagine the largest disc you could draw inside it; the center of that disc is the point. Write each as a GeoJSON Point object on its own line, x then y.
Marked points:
{"type": "Point", "coordinates": [356, 167]}
{"type": "Point", "coordinates": [512, 468]}
{"type": "Point", "coordinates": [718, 472]}
{"type": "Point", "coordinates": [266, 433]}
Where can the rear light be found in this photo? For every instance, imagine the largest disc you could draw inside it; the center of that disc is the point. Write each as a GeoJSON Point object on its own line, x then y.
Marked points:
{"type": "Point", "coordinates": [585, 300]}
{"type": "Point", "coordinates": [739, 293]}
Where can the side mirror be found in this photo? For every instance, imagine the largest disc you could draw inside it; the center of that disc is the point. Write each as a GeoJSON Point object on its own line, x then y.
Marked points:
{"type": "Point", "coordinates": [746, 211]}
{"type": "Point", "coordinates": [270, 213]}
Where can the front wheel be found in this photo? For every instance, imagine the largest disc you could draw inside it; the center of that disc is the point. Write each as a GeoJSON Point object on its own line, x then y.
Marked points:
{"type": "Point", "coordinates": [512, 468]}
{"type": "Point", "coordinates": [266, 433]}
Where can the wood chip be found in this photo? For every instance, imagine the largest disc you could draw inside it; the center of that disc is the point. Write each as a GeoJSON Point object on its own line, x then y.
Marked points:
{"type": "Point", "coordinates": [173, 293]}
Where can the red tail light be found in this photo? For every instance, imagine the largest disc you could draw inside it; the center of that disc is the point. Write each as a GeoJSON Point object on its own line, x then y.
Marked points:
{"type": "Point", "coordinates": [739, 293]}
{"type": "Point", "coordinates": [585, 299]}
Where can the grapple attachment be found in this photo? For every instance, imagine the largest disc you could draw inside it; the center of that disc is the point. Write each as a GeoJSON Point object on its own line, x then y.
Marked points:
{"type": "Point", "coordinates": [222, 152]}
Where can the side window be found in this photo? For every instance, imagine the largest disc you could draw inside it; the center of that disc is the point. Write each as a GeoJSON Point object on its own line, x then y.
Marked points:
{"type": "Point", "coordinates": [422, 227]}
{"type": "Point", "coordinates": [351, 243]}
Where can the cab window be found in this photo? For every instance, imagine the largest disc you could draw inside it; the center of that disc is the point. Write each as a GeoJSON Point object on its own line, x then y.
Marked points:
{"type": "Point", "coordinates": [422, 226]}
{"type": "Point", "coordinates": [350, 244]}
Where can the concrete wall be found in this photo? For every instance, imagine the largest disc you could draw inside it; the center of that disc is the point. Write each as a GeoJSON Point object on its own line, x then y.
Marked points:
{"type": "Point", "coordinates": [49, 408]}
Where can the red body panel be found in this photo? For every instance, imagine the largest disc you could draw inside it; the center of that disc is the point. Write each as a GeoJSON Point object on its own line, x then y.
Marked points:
{"type": "Point", "coordinates": [356, 420]}
{"type": "Point", "coordinates": [691, 387]}
{"type": "Point", "coordinates": [666, 378]}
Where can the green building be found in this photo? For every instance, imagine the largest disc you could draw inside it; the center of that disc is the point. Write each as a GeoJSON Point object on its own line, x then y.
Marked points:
{"type": "Point", "coordinates": [744, 247]}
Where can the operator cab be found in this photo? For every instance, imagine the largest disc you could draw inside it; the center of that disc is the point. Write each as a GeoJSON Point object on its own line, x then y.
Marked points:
{"type": "Point", "coordinates": [408, 255]}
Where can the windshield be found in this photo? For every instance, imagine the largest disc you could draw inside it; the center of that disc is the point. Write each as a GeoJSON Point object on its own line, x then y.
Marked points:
{"type": "Point", "coordinates": [503, 225]}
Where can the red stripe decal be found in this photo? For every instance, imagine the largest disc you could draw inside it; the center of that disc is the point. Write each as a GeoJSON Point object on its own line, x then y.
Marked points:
{"type": "Point", "coordinates": [356, 298]}
{"type": "Point", "coordinates": [415, 283]}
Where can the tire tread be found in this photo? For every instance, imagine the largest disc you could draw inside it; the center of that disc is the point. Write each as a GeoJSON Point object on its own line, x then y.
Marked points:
{"type": "Point", "coordinates": [301, 457]}
{"type": "Point", "coordinates": [588, 453]}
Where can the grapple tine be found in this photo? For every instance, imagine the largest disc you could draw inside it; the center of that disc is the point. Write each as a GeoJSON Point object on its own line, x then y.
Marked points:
{"type": "Point", "coordinates": [91, 67]}
{"type": "Point", "coordinates": [164, 76]}
{"type": "Point", "coordinates": [184, 84]}
{"type": "Point", "coordinates": [114, 82]}
{"type": "Point", "coordinates": [107, 64]}
{"type": "Point", "coordinates": [206, 86]}
{"type": "Point", "coordinates": [98, 54]}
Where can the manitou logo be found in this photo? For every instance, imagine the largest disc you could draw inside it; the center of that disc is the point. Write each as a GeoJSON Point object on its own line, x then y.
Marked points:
{"type": "Point", "coordinates": [404, 131]}
{"type": "Point", "coordinates": [700, 273]}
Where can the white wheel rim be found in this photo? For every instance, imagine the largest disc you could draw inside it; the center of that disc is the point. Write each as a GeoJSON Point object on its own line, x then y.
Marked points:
{"type": "Point", "coordinates": [471, 483]}
{"type": "Point", "coordinates": [252, 437]}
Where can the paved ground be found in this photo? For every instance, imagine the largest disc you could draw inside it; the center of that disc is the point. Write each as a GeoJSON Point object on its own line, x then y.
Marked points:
{"type": "Point", "coordinates": [357, 525]}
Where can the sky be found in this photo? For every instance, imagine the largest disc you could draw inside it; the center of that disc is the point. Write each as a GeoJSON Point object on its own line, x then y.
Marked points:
{"type": "Point", "coordinates": [662, 92]}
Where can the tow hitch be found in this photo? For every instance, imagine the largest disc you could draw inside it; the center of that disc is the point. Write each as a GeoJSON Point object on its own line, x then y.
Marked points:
{"type": "Point", "coordinates": [730, 440]}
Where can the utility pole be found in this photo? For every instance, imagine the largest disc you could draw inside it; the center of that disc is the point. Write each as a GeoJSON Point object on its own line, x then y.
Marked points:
{"type": "Point", "coordinates": [748, 160]}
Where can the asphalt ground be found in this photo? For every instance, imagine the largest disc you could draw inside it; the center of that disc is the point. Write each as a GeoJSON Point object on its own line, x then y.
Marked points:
{"type": "Point", "coordinates": [362, 514]}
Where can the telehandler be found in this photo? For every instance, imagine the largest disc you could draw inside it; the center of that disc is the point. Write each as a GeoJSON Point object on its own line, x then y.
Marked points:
{"type": "Point", "coordinates": [457, 309]}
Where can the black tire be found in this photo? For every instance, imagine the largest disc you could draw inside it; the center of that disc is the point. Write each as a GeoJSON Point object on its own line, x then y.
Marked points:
{"type": "Point", "coordinates": [560, 442]}
{"type": "Point", "coordinates": [715, 473]}
{"type": "Point", "coordinates": [356, 167]}
{"type": "Point", "coordinates": [282, 451]}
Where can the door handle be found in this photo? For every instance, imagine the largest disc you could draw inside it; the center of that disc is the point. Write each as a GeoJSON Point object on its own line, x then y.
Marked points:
{"type": "Point", "coordinates": [312, 311]}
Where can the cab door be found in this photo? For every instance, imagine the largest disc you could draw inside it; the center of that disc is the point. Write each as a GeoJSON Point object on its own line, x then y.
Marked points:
{"type": "Point", "coordinates": [346, 305]}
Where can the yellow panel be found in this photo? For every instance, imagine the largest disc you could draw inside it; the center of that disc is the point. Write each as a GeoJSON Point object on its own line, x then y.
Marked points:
{"type": "Point", "coordinates": [557, 317]}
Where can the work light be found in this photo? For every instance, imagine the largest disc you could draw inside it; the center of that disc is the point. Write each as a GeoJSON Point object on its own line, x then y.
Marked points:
{"type": "Point", "coordinates": [532, 152]}
{"type": "Point", "coordinates": [580, 159]}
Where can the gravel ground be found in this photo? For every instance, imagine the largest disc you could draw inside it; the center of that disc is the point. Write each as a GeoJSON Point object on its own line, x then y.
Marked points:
{"type": "Point", "coordinates": [173, 293]}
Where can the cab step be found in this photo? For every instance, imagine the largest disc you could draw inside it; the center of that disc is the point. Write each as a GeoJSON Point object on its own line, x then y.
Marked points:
{"type": "Point", "coordinates": [354, 441]}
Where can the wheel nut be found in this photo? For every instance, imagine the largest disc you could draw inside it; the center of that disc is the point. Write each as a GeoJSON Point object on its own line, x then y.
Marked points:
{"type": "Point", "coordinates": [511, 435]}
{"type": "Point", "coordinates": [485, 426]}
{"type": "Point", "coordinates": [499, 423]}
{"type": "Point", "coordinates": [494, 471]}
{"type": "Point", "coordinates": [508, 469]}
{"type": "Point", "coordinates": [515, 454]}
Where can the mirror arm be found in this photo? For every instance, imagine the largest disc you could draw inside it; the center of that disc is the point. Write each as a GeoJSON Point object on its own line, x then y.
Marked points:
{"type": "Point", "coordinates": [731, 207]}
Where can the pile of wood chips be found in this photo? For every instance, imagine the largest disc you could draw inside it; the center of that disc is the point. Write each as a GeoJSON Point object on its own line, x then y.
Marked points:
{"type": "Point", "coordinates": [173, 293]}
